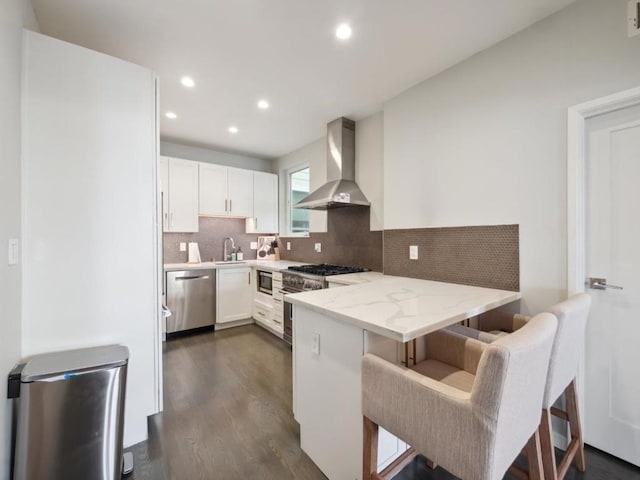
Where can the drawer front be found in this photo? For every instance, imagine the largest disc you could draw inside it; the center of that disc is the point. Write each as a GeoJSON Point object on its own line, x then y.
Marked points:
{"type": "Point", "coordinates": [261, 313]}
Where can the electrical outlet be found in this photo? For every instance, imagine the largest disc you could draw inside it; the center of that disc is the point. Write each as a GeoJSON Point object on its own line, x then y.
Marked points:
{"type": "Point", "coordinates": [13, 254]}
{"type": "Point", "coordinates": [253, 245]}
{"type": "Point", "coordinates": [633, 18]}
{"type": "Point", "coordinates": [413, 252]}
{"type": "Point", "coordinates": [288, 245]}
{"type": "Point", "coordinates": [318, 247]}
{"type": "Point", "coordinates": [315, 346]}
{"type": "Point", "coordinates": [183, 246]}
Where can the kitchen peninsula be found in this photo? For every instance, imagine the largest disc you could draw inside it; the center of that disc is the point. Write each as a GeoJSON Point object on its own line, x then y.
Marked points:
{"type": "Point", "coordinates": [333, 328]}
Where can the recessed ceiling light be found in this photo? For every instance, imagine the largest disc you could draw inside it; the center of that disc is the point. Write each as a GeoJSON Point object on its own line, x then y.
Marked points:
{"type": "Point", "coordinates": [233, 129]}
{"type": "Point", "coordinates": [171, 115]}
{"type": "Point", "coordinates": [343, 31]}
{"type": "Point", "coordinates": [263, 104]}
{"type": "Point", "coordinates": [187, 82]}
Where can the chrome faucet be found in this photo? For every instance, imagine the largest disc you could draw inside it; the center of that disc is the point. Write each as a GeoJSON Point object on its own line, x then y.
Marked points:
{"type": "Point", "coordinates": [224, 247]}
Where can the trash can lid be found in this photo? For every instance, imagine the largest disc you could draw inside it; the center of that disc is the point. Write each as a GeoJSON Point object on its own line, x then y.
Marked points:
{"type": "Point", "coordinates": [48, 365]}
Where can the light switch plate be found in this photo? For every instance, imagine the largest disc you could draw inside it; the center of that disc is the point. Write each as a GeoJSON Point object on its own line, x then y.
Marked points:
{"type": "Point", "coordinates": [315, 346]}
{"type": "Point", "coordinates": [253, 245]}
{"type": "Point", "coordinates": [318, 247]}
{"type": "Point", "coordinates": [13, 253]}
{"type": "Point", "coordinates": [288, 245]}
{"type": "Point", "coordinates": [413, 252]}
{"type": "Point", "coordinates": [183, 246]}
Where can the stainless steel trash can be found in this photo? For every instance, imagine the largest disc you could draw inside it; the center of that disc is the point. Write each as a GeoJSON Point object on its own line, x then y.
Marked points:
{"type": "Point", "coordinates": [70, 414]}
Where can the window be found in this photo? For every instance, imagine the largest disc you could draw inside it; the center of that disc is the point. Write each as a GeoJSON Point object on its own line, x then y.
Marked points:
{"type": "Point", "coordinates": [297, 189]}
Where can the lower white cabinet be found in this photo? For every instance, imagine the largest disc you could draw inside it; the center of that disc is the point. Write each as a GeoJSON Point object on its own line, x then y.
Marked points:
{"type": "Point", "coordinates": [234, 294]}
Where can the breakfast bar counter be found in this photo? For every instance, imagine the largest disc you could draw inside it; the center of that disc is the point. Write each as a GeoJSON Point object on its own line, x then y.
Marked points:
{"type": "Point", "coordinates": [334, 327]}
{"type": "Point", "coordinates": [402, 308]}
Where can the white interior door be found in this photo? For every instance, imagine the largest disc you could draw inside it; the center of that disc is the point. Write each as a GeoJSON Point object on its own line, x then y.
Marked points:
{"type": "Point", "coordinates": [612, 385]}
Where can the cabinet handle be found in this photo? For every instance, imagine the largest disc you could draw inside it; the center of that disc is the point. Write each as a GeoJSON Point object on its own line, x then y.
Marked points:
{"type": "Point", "coordinates": [230, 205]}
{"type": "Point", "coordinates": [166, 221]}
{"type": "Point", "coordinates": [226, 205]}
{"type": "Point", "coordinates": [256, 218]}
{"type": "Point", "coordinates": [249, 276]}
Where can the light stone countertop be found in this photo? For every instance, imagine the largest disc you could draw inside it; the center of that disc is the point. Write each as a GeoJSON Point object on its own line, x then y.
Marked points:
{"type": "Point", "coordinates": [403, 308]}
{"type": "Point", "coordinates": [274, 266]}
{"type": "Point", "coordinates": [357, 278]}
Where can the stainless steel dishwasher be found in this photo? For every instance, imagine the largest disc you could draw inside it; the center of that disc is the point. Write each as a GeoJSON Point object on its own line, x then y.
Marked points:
{"type": "Point", "coordinates": [191, 297]}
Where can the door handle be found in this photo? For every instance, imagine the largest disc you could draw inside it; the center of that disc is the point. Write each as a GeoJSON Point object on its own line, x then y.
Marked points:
{"type": "Point", "coordinates": [601, 284]}
{"type": "Point", "coordinates": [192, 278]}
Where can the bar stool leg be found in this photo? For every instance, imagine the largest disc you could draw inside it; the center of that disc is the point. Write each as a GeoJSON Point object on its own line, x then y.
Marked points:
{"type": "Point", "coordinates": [546, 443]}
{"type": "Point", "coordinates": [534, 457]}
{"type": "Point", "coordinates": [370, 450]}
{"type": "Point", "coordinates": [573, 413]}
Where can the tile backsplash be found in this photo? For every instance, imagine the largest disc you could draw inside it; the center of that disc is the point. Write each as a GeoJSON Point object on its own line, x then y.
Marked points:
{"type": "Point", "coordinates": [212, 232]}
{"type": "Point", "coordinates": [485, 256]}
{"type": "Point", "coordinates": [347, 241]}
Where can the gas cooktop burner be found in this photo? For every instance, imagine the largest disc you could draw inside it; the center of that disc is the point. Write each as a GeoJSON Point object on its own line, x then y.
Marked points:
{"type": "Point", "coordinates": [326, 270]}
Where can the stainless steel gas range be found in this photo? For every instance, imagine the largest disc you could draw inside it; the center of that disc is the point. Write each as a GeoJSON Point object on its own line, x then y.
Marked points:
{"type": "Point", "coordinates": [305, 278]}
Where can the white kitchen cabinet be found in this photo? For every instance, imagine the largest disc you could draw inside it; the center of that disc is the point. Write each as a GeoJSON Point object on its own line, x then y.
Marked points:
{"type": "Point", "coordinates": [327, 357]}
{"type": "Point", "coordinates": [265, 204]}
{"type": "Point", "coordinates": [225, 191]}
{"type": "Point", "coordinates": [179, 183]}
{"type": "Point", "coordinates": [213, 189]}
{"type": "Point", "coordinates": [240, 188]}
{"type": "Point", "coordinates": [234, 294]}
{"type": "Point", "coordinates": [164, 188]}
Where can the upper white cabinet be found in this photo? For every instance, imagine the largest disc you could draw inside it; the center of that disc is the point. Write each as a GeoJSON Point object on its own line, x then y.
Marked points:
{"type": "Point", "coordinates": [179, 183]}
{"type": "Point", "coordinates": [265, 204]}
{"type": "Point", "coordinates": [225, 191]}
{"type": "Point", "coordinates": [240, 183]}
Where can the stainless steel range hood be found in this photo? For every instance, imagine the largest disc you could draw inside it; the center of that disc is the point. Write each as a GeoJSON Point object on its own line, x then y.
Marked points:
{"type": "Point", "coordinates": [341, 189]}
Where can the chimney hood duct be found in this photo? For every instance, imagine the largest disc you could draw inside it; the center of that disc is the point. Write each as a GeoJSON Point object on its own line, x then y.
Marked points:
{"type": "Point", "coordinates": [341, 189]}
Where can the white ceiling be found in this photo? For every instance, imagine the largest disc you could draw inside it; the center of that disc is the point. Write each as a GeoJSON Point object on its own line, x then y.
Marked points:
{"type": "Point", "coordinates": [239, 51]}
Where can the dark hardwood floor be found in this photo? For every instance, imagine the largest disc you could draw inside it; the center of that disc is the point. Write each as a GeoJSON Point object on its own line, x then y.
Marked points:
{"type": "Point", "coordinates": [227, 412]}
{"type": "Point", "coordinates": [227, 415]}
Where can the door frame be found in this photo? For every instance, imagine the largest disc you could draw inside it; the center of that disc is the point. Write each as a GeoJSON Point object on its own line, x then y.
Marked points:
{"type": "Point", "coordinates": [576, 196]}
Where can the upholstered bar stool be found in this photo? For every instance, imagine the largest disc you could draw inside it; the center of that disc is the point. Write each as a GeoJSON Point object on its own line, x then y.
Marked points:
{"type": "Point", "coordinates": [469, 406]}
{"type": "Point", "coordinates": [561, 378]}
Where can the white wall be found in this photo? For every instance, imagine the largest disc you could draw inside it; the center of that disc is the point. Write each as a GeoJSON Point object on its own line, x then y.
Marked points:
{"type": "Point", "coordinates": [89, 211]}
{"type": "Point", "coordinates": [369, 165]}
{"type": "Point", "coordinates": [485, 141]}
{"type": "Point", "coordinates": [315, 156]}
{"type": "Point", "coordinates": [14, 14]}
{"type": "Point", "coordinates": [199, 154]}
